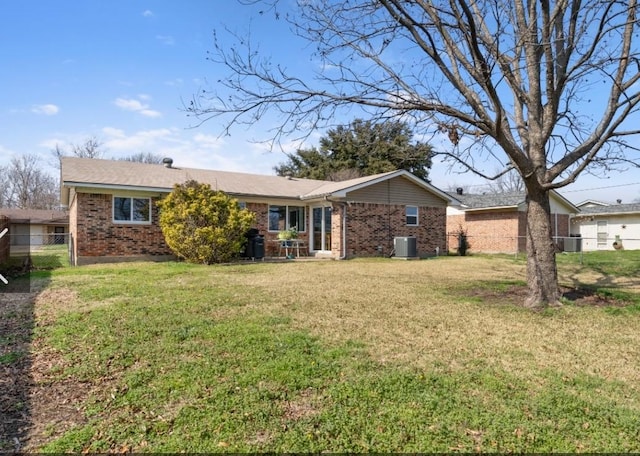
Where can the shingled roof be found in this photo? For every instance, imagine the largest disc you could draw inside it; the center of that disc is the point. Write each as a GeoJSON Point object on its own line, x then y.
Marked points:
{"type": "Point", "coordinates": [90, 172]}
{"type": "Point", "coordinates": [36, 216]}
{"type": "Point", "coordinates": [94, 173]}
{"type": "Point", "coordinates": [507, 200]}
{"type": "Point", "coordinates": [490, 200]}
{"type": "Point", "coordinates": [632, 208]}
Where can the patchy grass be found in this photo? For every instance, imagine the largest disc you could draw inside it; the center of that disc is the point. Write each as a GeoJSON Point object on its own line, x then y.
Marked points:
{"type": "Point", "coordinates": [364, 355]}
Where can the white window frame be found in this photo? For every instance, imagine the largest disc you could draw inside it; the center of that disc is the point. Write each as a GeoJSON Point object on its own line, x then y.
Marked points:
{"type": "Point", "coordinates": [287, 221]}
{"type": "Point", "coordinates": [602, 236]}
{"type": "Point", "coordinates": [130, 221]}
{"type": "Point", "coordinates": [416, 216]}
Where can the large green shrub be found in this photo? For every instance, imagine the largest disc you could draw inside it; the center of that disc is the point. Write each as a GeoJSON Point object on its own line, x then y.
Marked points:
{"type": "Point", "coordinates": [202, 225]}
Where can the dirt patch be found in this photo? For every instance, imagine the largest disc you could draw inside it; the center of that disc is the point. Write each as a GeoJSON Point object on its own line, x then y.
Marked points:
{"type": "Point", "coordinates": [37, 404]}
{"type": "Point", "coordinates": [516, 295]}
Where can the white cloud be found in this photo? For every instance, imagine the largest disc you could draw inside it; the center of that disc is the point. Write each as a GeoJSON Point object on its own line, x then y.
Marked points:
{"type": "Point", "coordinates": [174, 82]}
{"type": "Point", "coordinates": [131, 104]}
{"type": "Point", "coordinates": [46, 109]}
{"type": "Point", "coordinates": [113, 132]}
{"type": "Point", "coordinates": [208, 141]}
{"type": "Point", "coordinates": [147, 13]}
{"type": "Point", "coordinates": [118, 142]}
{"type": "Point", "coordinates": [166, 39]}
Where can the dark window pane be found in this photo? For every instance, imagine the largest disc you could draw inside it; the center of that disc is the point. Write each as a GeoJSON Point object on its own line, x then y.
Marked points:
{"type": "Point", "coordinates": [277, 218]}
{"type": "Point", "coordinates": [141, 210]}
{"type": "Point", "coordinates": [122, 209]}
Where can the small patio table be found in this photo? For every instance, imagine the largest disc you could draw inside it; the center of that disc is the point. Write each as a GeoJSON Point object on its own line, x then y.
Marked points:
{"type": "Point", "coordinates": [288, 245]}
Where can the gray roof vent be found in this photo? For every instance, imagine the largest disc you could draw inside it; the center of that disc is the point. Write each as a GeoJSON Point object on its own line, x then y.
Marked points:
{"type": "Point", "coordinates": [167, 162]}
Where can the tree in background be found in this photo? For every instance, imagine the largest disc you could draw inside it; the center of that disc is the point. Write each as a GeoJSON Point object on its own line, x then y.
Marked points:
{"type": "Point", "coordinates": [510, 182]}
{"type": "Point", "coordinates": [24, 185]}
{"type": "Point", "coordinates": [360, 149]}
{"type": "Point", "coordinates": [202, 225]}
{"type": "Point", "coordinates": [545, 88]}
{"type": "Point", "coordinates": [144, 157]}
{"type": "Point", "coordinates": [90, 148]}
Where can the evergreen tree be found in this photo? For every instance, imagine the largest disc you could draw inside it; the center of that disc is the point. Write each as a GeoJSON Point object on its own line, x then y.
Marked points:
{"type": "Point", "coordinates": [360, 149]}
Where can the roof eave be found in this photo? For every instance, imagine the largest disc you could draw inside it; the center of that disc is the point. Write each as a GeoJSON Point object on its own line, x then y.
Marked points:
{"type": "Point", "coordinates": [491, 208]}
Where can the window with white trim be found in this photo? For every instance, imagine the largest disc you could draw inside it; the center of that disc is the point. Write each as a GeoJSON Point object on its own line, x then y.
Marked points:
{"type": "Point", "coordinates": [131, 210]}
{"type": "Point", "coordinates": [411, 213]}
{"type": "Point", "coordinates": [287, 217]}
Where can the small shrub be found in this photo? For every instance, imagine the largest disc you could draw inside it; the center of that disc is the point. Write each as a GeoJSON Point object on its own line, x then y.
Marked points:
{"type": "Point", "coordinates": [202, 225]}
{"type": "Point", "coordinates": [463, 242]}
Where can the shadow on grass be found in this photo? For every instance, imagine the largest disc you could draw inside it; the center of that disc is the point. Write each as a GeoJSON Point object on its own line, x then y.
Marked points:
{"type": "Point", "coordinates": [17, 323]}
{"type": "Point", "coordinates": [514, 293]}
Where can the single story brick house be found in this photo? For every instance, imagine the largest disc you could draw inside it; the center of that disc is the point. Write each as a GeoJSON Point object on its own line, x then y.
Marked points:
{"type": "Point", "coordinates": [113, 215]}
{"type": "Point", "coordinates": [496, 222]}
{"type": "Point", "coordinates": [600, 225]}
{"type": "Point", "coordinates": [36, 227]}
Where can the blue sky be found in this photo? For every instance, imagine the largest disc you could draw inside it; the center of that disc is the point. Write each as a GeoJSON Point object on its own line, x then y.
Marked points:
{"type": "Point", "coordinates": [120, 71]}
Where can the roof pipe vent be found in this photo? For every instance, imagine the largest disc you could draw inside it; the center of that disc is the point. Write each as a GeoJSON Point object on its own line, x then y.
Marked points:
{"type": "Point", "coordinates": [459, 190]}
{"type": "Point", "coordinates": [167, 162]}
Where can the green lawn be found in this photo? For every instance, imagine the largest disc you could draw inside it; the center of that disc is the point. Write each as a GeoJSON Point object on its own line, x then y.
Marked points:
{"type": "Point", "coordinates": [371, 355]}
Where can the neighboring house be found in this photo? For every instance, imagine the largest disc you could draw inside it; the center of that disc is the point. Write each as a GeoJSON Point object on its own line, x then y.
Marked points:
{"type": "Point", "coordinates": [36, 227]}
{"type": "Point", "coordinates": [601, 225]}
{"type": "Point", "coordinates": [496, 222]}
{"type": "Point", "coordinates": [114, 214]}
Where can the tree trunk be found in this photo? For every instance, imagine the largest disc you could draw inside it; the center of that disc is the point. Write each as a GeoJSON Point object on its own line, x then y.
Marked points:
{"type": "Point", "coordinates": [542, 273]}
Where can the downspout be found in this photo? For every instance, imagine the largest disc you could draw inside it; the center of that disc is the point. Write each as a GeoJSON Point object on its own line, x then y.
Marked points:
{"type": "Point", "coordinates": [344, 232]}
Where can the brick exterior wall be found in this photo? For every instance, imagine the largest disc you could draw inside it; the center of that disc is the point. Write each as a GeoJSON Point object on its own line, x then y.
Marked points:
{"type": "Point", "coordinates": [272, 247]}
{"type": "Point", "coordinates": [96, 238]}
{"type": "Point", "coordinates": [95, 234]}
{"type": "Point", "coordinates": [498, 232]}
{"type": "Point", "coordinates": [4, 240]}
{"type": "Point", "coordinates": [371, 225]}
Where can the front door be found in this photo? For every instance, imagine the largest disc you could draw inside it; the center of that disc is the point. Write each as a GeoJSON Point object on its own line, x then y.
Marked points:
{"type": "Point", "coordinates": [321, 229]}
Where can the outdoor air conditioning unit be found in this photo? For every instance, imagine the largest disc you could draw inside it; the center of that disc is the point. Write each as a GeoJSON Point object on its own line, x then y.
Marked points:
{"type": "Point", "coordinates": [573, 243]}
{"type": "Point", "coordinates": [405, 247]}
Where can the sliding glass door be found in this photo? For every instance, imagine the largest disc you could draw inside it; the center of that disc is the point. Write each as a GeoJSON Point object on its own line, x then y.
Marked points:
{"type": "Point", "coordinates": [321, 232]}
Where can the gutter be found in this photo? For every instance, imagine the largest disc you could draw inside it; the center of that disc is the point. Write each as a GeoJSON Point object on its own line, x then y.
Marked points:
{"type": "Point", "coordinates": [344, 232]}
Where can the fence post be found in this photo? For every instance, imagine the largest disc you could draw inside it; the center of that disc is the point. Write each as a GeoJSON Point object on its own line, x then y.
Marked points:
{"type": "Point", "coordinates": [4, 240]}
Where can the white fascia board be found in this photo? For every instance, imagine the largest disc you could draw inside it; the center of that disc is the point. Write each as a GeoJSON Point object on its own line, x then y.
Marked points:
{"type": "Point", "coordinates": [115, 187]}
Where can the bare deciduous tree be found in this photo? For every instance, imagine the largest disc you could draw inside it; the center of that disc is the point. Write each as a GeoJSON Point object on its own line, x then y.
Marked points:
{"type": "Point", "coordinates": [507, 183]}
{"type": "Point", "coordinates": [26, 186]}
{"type": "Point", "coordinates": [144, 157]}
{"type": "Point", "coordinates": [546, 87]}
{"type": "Point", "coordinates": [90, 148]}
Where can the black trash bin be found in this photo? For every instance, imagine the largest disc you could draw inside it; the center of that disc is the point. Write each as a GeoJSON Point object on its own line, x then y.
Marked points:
{"type": "Point", "coordinates": [254, 248]}
{"type": "Point", "coordinates": [257, 247]}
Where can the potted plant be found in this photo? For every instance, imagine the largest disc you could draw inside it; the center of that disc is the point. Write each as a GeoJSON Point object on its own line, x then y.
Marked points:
{"type": "Point", "coordinates": [285, 235]}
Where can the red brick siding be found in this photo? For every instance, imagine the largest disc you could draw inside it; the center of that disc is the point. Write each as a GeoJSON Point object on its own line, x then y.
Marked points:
{"type": "Point", "coordinates": [96, 235]}
{"type": "Point", "coordinates": [262, 224]}
{"type": "Point", "coordinates": [498, 232]}
{"type": "Point", "coordinates": [489, 232]}
{"type": "Point", "coordinates": [371, 225]}
{"type": "Point", "coordinates": [4, 240]}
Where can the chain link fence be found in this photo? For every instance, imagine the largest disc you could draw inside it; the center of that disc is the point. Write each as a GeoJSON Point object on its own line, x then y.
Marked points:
{"type": "Point", "coordinates": [35, 241]}
{"type": "Point", "coordinates": [517, 244]}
